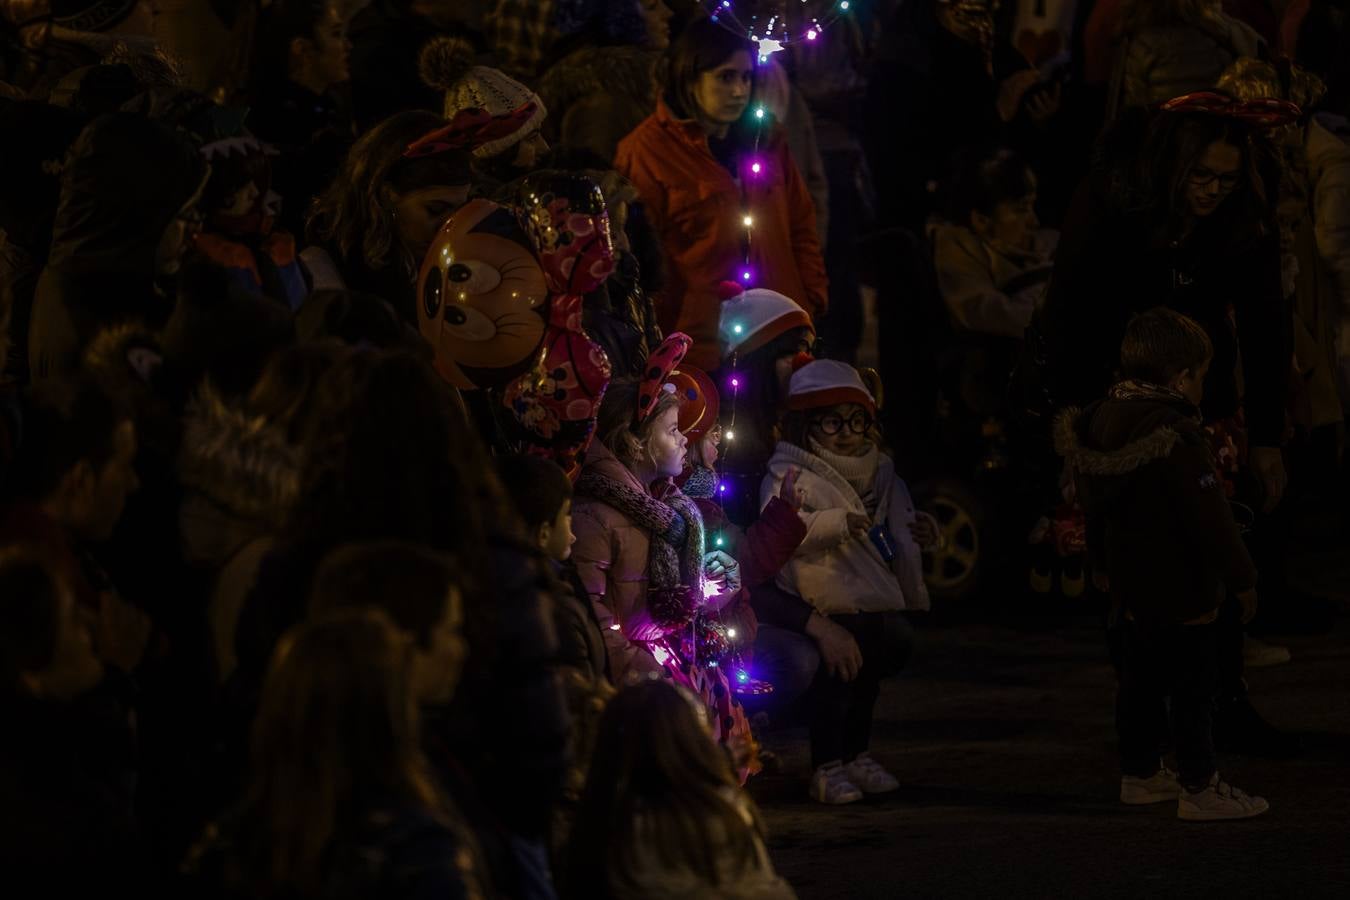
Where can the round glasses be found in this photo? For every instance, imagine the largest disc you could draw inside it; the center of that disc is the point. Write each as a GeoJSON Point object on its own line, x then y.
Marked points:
{"type": "Point", "coordinates": [1202, 177]}
{"type": "Point", "coordinates": [832, 424]}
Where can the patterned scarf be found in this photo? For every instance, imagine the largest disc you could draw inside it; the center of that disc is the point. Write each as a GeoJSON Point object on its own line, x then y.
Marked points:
{"type": "Point", "coordinates": [701, 484]}
{"type": "Point", "coordinates": [675, 557]}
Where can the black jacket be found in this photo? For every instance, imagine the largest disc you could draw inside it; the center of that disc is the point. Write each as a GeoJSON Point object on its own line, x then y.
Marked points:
{"type": "Point", "coordinates": [1158, 521]}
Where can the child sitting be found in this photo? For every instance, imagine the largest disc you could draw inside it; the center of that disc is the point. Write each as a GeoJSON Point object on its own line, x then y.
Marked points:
{"type": "Point", "coordinates": [662, 816]}
{"type": "Point", "coordinates": [1161, 529]}
{"type": "Point", "coordinates": [238, 233]}
{"type": "Point", "coordinates": [858, 567]}
{"type": "Point", "coordinates": [641, 554]}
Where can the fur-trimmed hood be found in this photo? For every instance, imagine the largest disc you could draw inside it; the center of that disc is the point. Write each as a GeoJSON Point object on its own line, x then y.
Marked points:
{"type": "Point", "coordinates": [631, 71]}
{"type": "Point", "coordinates": [239, 464]}
{"type": "Point", "coordinates": [1071, 443]}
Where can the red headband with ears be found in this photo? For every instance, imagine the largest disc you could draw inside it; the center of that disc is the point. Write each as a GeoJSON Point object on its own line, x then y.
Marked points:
{"type": "Point", "coordinates": [1266, 112]}
{"type": "Point", "coordinates": [660, 363]}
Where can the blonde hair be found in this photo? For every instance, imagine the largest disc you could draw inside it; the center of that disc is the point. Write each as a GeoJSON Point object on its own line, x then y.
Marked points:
{"type": "Point", "coordinates": [615, 425]}
{"type": "Point", "coordinates": [1256, 79]}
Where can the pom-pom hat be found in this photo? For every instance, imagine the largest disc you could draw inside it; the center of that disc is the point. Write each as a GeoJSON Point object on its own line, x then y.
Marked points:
{"type": "Point", "coordinates": [750, 319]}
{"type": "Point", "coordinates": [447, 63]}
{"type": "Point", "coordinates": [828, 382]}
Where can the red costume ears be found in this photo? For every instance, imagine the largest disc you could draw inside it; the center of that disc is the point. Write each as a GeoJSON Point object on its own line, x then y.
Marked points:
{"type": "Point", "coordinates": [470, 129]}
{"type": "Point", "coordinates": [660, 363]}
{"type": "Point", "coordinates": [1263, 113]}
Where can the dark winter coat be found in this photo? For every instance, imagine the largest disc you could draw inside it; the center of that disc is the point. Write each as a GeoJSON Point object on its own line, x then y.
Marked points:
{"type": "Point", "coordinates": [396, 851]}
{"type": "Point", "coordinates": [1111, 265]}
{"type": "Point", "coordinates": [67, 773]}
{"type": "Point", "coordinates": [125, 181]}
{"type": "Point", "coordinates": [312, 133]}
{"type": "Point", "coordinates": [1157, 515]}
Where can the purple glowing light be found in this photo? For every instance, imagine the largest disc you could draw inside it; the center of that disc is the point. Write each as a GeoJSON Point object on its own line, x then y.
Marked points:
{"type": "Point", "coordinates": [811, 35]}
{"type": "Point", "coordinates": [755, 167]}
{"type": "Point", "coordinates": [745, 276]}
{"type": "Point", "coordinates": [721, 488]}
{"type": "Point", "coordinates": [735, 382]}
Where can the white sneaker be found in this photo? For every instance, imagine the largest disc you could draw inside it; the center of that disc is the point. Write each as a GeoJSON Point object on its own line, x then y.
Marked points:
{"type": "Point", "coordinates": [1258, 654]}
{"type": "Point", "coordinates": [1160, 786]}
{"type": "Point", "coordinates": [1217, 802]}
{"type": "Point", "coordinates": [867, 774]}
{"type": "Point", "coordinates": [831, 785]}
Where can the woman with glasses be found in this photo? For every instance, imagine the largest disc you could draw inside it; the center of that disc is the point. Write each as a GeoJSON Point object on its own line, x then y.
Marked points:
{"type": "Point", "coordinates": [858, 568]}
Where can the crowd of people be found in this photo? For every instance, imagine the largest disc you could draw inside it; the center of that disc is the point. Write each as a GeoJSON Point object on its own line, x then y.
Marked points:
{"type": "Point", "coordinates": [431, 441]}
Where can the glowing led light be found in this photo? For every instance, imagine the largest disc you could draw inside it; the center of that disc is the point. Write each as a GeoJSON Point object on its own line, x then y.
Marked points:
{"type": "Point", "coordinates": [737, 329]}
{"type": "Point", "coordinates": [614, 627]}
{"type": "Point", "coordinates": [742, 676]}
{"type": "Point", "coordinates": [731, 632]}
{"type": "Point", "coordinates": [843, 4]}
{"type": "Point", "coordinates": [759, 112]}
{"type": "Point", "coordinates": [721, 489]}
{"type": "Point", "coordinates": [735, 382]}
{"type": "Point", "coordinates": [748, 221]}
{"type": "Point", "coordinates": [718, 542]}
{"type": "Point", "coordinates": [730, 435]}
{"type": "Point", "coordinates": [745, 276]}
{"type": "Point", "coordinates": [755, 167]}
{"type": "Point", "coordinates": [811, 35]}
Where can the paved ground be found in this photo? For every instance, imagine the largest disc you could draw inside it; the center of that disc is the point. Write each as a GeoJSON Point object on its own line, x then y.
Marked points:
{"type": "Point", "coordinates": [1003, 739]}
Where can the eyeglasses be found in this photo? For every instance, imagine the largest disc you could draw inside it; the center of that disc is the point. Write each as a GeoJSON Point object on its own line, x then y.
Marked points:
{"type": "Point", "coordinates": [832, 424]}
{"type": "Point", "coordinates": [1202, 177]}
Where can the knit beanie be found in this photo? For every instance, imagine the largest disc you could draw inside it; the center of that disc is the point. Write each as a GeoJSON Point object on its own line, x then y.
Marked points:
{"type": "Point", "coordinates": [699, 402]}
{"type": "Point", "coordinates": [447, 63]}
{"type": "Point", "coordinates": [90, 15]}
{"type": "Point", "coordinates": [750, 319]}
{"type": "Point", "coordinates": [828, 382]}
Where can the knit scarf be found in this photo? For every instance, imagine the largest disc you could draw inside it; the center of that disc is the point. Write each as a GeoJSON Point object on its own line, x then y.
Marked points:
{"type": "Point", "coordinates": [1143, 390]}
{"type": "Point", "coordinates": [859, 471]}
{"type": "Point", "coordinates": [675, 557]}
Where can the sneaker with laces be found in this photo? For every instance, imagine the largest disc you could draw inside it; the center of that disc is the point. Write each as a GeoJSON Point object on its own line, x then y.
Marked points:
{"type": "Point", "coordinates": [868, 775]}
{"type": "Point", "coordinates": [830, 785]}
{"type": "Point", "coordinates": [1160, 786]}
{"type": "Point", "coordinates": [1218, 802]}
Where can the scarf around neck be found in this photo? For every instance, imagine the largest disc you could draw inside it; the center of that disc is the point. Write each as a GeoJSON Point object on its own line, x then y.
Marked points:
{"type": "Point", "coordinates": [675, 554]}
{"type": "Point", "coordinates": [1132, 389]}
{"type": "Point", "coordinates": [859, 471]}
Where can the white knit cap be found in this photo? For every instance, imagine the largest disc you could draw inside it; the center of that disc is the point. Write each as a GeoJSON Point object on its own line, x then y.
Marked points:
{"type": "Point", "coordinates": [753, 318]}
{"type": "Point", "coordinates": [445, 63]}
{"type": "Point", "coordinates": [828, 382]}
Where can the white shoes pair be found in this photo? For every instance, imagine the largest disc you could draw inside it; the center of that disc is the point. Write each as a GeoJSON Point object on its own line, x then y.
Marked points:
{"type": "Point", "coordinates": [1219, 800]}
{"type": "Point", "coordinates": [835, 783]}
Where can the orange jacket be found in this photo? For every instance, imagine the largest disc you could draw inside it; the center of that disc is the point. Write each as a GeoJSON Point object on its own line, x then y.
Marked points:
{"type": "Point", "coordinates": [696, 207]}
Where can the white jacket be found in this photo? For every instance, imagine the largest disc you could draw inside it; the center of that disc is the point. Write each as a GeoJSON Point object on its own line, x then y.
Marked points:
{"type": "Point", "coordinates": [832, 570]}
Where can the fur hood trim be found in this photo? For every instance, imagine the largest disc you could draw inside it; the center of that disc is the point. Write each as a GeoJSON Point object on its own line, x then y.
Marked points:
{"type": "Point", "coordinates": [630, 71]}
{"type": "Point", "coordinates": [1131, 457]}
{"type": "Point", "coordinates": [241, 463]}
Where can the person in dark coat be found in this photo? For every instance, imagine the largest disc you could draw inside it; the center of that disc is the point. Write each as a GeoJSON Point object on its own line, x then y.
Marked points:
{"type": "Point", "coordinates": [1162, 533]}
{"type": "Point", "coordinates": [125, 220]}
{"type": "Point", "coordinates": [296, 105]}
{"type": "Point", "coordinates": [67, 765]}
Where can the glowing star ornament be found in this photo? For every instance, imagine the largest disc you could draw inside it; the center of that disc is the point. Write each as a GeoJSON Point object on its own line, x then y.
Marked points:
{"type": "Point", "coordinates": [768, 47]}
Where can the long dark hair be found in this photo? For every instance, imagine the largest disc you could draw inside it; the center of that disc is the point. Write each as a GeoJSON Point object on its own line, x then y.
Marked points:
{"type": "Point", "coordinates": [1154, 183]}
{"type": "Point", "coordinates": [658, 784]}
{"type": "Point", "coordinates": [758, 403]}
{"type": "Point", "coordinates": [336, 734]}
{"type": "Point", "coordinates": [356, 213]}
{"type": "Point", "coordinates": [702, 47]}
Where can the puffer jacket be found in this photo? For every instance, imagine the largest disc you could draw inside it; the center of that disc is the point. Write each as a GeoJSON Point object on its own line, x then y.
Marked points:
{"type": "Point", "coordinates": [1165, 62]}
{"type": "Point", "coordinates": [611, 558]}
{"type": "Point", "coordinates": [833, 571]}
{"type": "Point", "coordinates": [1158, 521]}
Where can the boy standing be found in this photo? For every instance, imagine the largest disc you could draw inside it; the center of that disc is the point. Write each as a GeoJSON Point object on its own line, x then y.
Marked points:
{"type": "Point", "coordinates": [1161, 530]}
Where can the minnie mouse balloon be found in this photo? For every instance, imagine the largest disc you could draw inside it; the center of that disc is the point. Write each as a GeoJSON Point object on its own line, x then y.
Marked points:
{"type": "Point", "coordinates": [482, 298]}
{"type": "Point", "coordinates": [555, 404]}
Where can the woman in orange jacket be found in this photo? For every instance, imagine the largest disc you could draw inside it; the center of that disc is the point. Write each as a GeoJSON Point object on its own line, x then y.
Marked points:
{"type": "Point", "coordinates": [725, 209]}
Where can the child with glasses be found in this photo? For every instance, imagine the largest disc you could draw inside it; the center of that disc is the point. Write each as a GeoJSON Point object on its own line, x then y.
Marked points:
{"type": "Point", "coordinates": [858, 567]}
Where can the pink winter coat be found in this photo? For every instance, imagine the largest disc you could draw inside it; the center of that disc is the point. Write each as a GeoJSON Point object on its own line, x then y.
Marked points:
{"type": "Point", "coordinates": [611, 558]}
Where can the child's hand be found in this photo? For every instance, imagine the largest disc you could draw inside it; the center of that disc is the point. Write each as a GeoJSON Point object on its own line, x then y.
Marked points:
{"type": "Point", "coordinates": [926, 531]}
{"type": "Point", "coordinates": [789, 493]}
{"type": "Point", "coordinates": [722, 570]}
{"type": "Point", "coordinates": [858, 525]}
